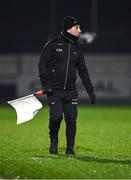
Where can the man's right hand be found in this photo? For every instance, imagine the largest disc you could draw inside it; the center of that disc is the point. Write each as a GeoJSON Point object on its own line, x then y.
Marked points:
{"type": "Point", "coordinates": [92, 98]}
{"type": "Point", "coordinates": [48, 90]}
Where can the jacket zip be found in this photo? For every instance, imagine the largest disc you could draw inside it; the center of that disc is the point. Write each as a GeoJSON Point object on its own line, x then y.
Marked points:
{"type": "Point", "coordinates": [67, 67]}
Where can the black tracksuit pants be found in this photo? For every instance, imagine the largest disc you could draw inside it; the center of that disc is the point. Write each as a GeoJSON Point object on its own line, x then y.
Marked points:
{"type": "Point", "coordinates": [63, 103]}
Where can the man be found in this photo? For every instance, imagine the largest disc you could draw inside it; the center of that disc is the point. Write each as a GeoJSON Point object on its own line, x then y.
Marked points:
{"type": "Point", "coordinates": [59, 60]}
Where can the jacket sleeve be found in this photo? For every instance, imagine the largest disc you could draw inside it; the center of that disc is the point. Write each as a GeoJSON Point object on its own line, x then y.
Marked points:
{"type": "Point", "coordinates": [84, 75]}
{"type": "Point", "coordinates": [42, 66]}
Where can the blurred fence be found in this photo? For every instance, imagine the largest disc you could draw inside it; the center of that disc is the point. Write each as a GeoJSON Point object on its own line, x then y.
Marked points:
{"type": "Point", "coordinates": [110, 74]}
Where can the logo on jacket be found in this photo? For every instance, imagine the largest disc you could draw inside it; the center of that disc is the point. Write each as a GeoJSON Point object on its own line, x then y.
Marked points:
{"type": "Point", "coordinates": [74, 101]}
{"type": "Point", "coordinates": [59, 44]}
{"type": "Point", "coordinates": [59, 50]}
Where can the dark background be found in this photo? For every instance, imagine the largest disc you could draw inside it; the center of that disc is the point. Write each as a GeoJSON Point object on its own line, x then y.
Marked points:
{"type": "Point", "coordinates": [26, 25]}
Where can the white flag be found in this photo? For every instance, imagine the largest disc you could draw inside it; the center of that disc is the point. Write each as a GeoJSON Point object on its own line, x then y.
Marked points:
{"type": "Point", "coordinates": [26, 107]}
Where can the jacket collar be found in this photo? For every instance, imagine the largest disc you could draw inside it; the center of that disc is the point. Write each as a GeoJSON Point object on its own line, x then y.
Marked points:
{"type": "Point", "coordinates": [69, 37]}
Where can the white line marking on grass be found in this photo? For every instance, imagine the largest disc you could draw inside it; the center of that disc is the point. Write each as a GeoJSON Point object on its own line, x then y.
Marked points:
{"type": "Point", "coordinates": [38, 158]}
{"type": "Point", "coordinates": [2, 178]}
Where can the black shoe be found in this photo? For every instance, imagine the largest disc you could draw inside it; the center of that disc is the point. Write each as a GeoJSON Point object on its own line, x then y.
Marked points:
{"type": "Point", "coordinates": [70, 151]}
{"type": "Point", "coordinates": [53, 149]}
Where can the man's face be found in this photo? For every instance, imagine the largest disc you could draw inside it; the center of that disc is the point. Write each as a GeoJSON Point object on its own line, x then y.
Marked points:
{"type": "Point", "coordinates": [75, 30]}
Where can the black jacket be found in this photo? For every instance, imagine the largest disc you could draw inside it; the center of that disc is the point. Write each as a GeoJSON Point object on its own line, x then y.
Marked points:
{"type": "Point", "coordinates": [61, 57]}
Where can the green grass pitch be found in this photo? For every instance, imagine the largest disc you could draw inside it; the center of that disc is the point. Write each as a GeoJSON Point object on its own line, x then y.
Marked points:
{"type": "Point", "coordinates": [103, 146]}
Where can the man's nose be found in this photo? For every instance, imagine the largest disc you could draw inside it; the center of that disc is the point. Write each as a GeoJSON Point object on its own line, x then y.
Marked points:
{"type": "Point", "coordinates": [79, 30]}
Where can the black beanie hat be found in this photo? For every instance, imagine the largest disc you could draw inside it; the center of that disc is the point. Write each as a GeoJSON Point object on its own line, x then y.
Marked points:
{"type": "Point", "coordinates": [69, 22]}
